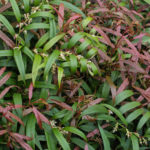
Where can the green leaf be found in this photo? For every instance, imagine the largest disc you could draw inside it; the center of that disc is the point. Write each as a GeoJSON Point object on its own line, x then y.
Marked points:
{"type": "Point", "coordinates": [62, 141]}
{"type": "Point", "coordinates": [73, 63]}
{"type": "Point", "coordinates": [28, 52]}
{"type": "Point", "coordinates": [30, 129]}
{"type": "Point", "coordinates": [135, 142]}
{"type": "Point", "coordinates": [83, 63]}
{"type": "Point", "coordinates": [105, 117]}
{"type": "Point", "coordinates": [132, 116]}
{"type": "Point", "coordinates": [122, 96]}
{"type": "Point", "coordinates": [69, 6]}
{"type": "Point", "coordinates": [129, 106]}
{"type": "Point", "coordinates": [147, 1]}
{"type": "Point", "coordinates": [7, 25]}
{"type": "Point", "coordinates": [75, 39]}
{"type": "Point", "coordinates": [117, 112]}
{"type": "Point", "coordinates": [94, 109]}
{"type": "Point", "coordinates": [16, 10]}
{"type": "Point", "coordinates": [75, 131]}
{"type": "Point", "coordinates": [35, 67]}
{"type": "Point", "coordinates": [60, 75]}
{"type": "Point", "coordinates": [6, 53]}
{"type": "Point", "coordinates": [86, 21]}
{"type": "Point", "coordinates": [37, 26]}
{"type": "Point", "coordinates": [106, 142]}
{"type": "Point", "coordinates": [52, 28]}
{"type": "Point", "coordinates": [83, 46]}
{"type": "Point", "coordinates": [51, 60]}
{"type": "Point", "coordinates": [19, 62]}
{"type": "Point", "coordinates": [26, 5]}
{"type": "Point", "coordinates": [42, 40]}
{"type": "Point", "coordinates": [53, 41]}
{"type": "Point", "coordinates": [143, 120]}
{"type": "Point", "coordinates": [91, 53]}
{"type": "Point", "coordinates": [18, 101]}
{"type": "Point", "coordinates": [41, 14]}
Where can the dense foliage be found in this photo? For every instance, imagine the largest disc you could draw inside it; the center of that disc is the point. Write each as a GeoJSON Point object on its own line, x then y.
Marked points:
{"type": "Point", "coordinates": [75, 74]}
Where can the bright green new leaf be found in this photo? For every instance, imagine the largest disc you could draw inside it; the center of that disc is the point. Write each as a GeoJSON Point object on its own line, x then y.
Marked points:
{"type": "Point", "coordinates": [60, 75]}
{"type": "Point", "coordinates": [62, 141]}
{"type": "Point", "coordinates": [73, 63]}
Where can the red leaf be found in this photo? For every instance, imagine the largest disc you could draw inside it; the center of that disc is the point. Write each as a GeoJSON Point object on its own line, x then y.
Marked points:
{"type": "Point", "coordinates": [27, 111]}
{"type": "Point", "coordinates": [123, 86]}
{"type": "Point", "coordinates": [104, 56]}
{"type": "Point", "coordinates": [30, 91]}
{"type": "Point", "coordinates": [103, 10]}
{"type": "Point", "coordinates": [86, 147]}
{"type": "Point", "coordinates": [35, 111]}
{"type": "Point", "coordinates": [7, 40]}
{"type": "Point", "coordinates": [75, 89]}
{"type": "Point", "coordinates": [6, 90]}
{"type": "Point", "coordinates": [15, 117]}
{"type": "Point", "coordinates": [40, 117]}
{"type": "Point", "coordinates": [95, 101]}
{"type": "Point", "coordinates": [60, 19]}
{"type": "Point", "coordinates": [2, 70]}
{"type": "Point", "coordinates": [62, 104]}
{"type": "Point", "coordinates": [100, 31]}
{"type": "Point", "coordinates": [83, 3]}
{"type": "Point", "coordinates": [3, 132]}
{"type": "Point", "coordinates": [5, 78]}
{"type": "Point", "coordinates": [5, 7]}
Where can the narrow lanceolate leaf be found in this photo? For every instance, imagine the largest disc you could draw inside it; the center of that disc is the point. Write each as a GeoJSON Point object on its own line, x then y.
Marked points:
{"type": "Point", "coordinates": [30, 129]}
{"type": "Point", "coordinates": [53, 41]}
{"type": "Point", "coordinates": [129, 106]}
{"type": "Point", "coordinates": [19, 62]}
{"type": "Point", "coordinates": [132, 116]}
{"type": "Point", "coordinates": [143, 120]}
{"type": "Point", "coordinates": [5, 78]}
{"type": "Point", "coordinates": [122, 96]}
{"type": "Point", "coordinates": [7, 40]}
{"type": "Point", "coordinates": [117, 112]}
{"type": "Point", "coordinates": [35, 67]}
{"type": "Point", "coordinates": [42, 40]}
{"type": "Point", "coordinates": [60, 75]}
{"type": "Point", "coordinates": [106, 142]}
{"type": "Point", "coordinates": [69, 6]}
{"type": "Point", "coordinates": [61, 11]}
{"type": "Point", "coordinates": [135, 142]}
{"type": "Point", "coordinates": [7, 25]}
{"type": "Point", "coordinates": [73, 63]}
{"type": "Point", "coordinates": [16, 10]}
{"type": "Point", "coordinates": [37, 26]}
{"type": "Point", "coordinates": [51, 60]}
{"type": "Point", "coordinates": [75, 131]}
{"type": "Point", "coordinates": [83, 63]}
{"type": "Point", "coordinates": [62, 141]}
{"type": "Point", "coordinates": [26, 5]}
{"type": "Point", "coordinates": [75, 39]}
{"type": "Point", "coordinates": [30, 91]}
{"type": "Point", "coordinates": [6, 53]}
{"type": "Point", "coordinates": [53, 28]}
{"type": "Point", "coordinates": [147, 1]}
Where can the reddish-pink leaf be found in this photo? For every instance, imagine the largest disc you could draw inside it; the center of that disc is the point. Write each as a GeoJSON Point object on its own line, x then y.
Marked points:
{"type": "Point", "coordinates": [27, 111]}
{"type": "Point", "coordinates": [98, 10]}
{"type": "Point", "coordinates": [3, 132]}
{"type": "Point", "coordinates": [75, 90]}
{"type": "Point", "coordinates": [2, 70]}
{"type": "Point", "coordinates": [5, 78]}
{"type": "Point", "coordinates": [86, 147]}
{"type": "Point", "coordinates": [15, 117]}
{"type": "Point", "coordinates": [83, 3]}
{"type": "Point", "coordinates": [6, 90]}
{"type": "Point", "coordinates": [100, 3]}
{"type": "Point", "coordinates": [97, 101]}
{"type": "Point", "coordinates": [5, 7]}
{"type": "Point", "coordinates": [7, 40]}
{"type": "Point", "coordinates": [62, 104]}
{"type": "Point", "coordinates": [100, 31]}
{"type": "Point", "coordinates": [104, 56]}
{"type": "Point", "coordinates": [74, 17]}
{"type": "Point", "coordinates": [123, 86]}
{"type": "Point", "coordinates": [30, 91]}
{"type": "Point", "coordinates": [92, 133]}
{"type": "Point", "coordinates": [35, 111]}
{"type": "Point", "coordinates": [111, 31]}
{"type": "Point", "coordinates": [61, 11]}
{"type": "Point", "coordinates": [76, 148]}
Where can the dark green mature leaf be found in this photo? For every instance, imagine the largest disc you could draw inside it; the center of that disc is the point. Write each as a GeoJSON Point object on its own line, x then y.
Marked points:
{"type": "Point", "coordinates": [19, 62]}
{"type": "Point", "coordinates": [106, 142]}
{"type": "Point", "coordinates": [51, 60]}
